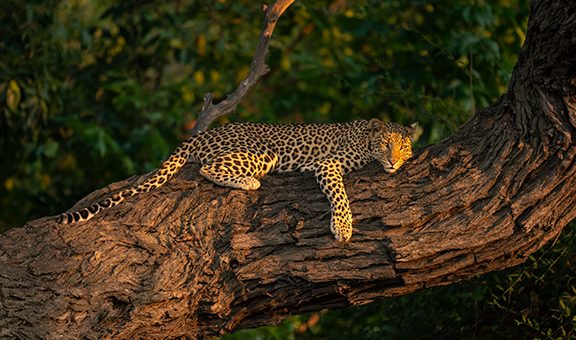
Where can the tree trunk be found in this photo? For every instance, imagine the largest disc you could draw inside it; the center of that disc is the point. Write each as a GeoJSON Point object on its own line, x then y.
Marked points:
{"type": "Point", "coordinates": [195, 259]}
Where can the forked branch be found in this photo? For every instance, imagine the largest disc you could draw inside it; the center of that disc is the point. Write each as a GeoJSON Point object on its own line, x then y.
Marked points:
{"type": "Point", "coordinates": [258, 68]}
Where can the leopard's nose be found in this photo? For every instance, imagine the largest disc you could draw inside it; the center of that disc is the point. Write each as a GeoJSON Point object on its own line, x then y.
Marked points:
{"type": "Point", "coordinates": [390, 169]}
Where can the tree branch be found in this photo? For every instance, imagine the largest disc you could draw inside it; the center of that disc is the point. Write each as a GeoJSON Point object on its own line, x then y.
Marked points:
{"type": "Point", "coordinates": [258, 68]}
{"type": "Point", "coordinates": [194, 259]}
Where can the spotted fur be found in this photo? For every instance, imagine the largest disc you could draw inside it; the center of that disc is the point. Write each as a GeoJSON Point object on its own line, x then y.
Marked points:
{"type": "Point", "coordinates": [237, 155]}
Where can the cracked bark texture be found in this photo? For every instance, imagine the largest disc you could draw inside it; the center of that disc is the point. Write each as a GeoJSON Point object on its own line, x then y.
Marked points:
{"type": "Point", "coordinates": [194, 259]}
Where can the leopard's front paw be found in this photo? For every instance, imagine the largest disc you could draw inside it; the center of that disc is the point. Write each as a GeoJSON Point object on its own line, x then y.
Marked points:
{"type": "Point", "coordinates": [341, 226]}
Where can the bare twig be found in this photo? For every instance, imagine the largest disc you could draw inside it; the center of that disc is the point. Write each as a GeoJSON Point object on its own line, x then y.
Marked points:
{"type": "Point", "coordinates": [258, 68]}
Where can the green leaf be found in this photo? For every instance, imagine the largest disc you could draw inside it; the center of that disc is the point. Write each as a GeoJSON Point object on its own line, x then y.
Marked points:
{"type": "Point", "coordinates": [13, 96]}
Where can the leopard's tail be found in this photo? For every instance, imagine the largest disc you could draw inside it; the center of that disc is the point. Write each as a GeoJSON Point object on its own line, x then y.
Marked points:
{"type": "Point", "coordinates": [168, 169]}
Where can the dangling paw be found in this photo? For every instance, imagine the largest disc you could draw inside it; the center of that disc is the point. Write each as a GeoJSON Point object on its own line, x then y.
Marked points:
{"type": "Point", "coordinates": [341, 226]}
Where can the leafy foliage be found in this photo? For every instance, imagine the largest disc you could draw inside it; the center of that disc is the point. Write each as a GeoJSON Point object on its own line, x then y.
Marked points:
{"type": "Point", "coordinates": [95, 91]}
{"type": "Point", "coordinates": [115, 84]}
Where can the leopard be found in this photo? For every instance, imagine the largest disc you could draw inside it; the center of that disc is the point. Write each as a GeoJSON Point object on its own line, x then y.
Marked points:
{"type": "Point", "coordinates": [238, 155]}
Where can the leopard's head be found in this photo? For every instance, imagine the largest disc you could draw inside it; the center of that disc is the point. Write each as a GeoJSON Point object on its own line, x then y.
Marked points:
{"type": "Point", "coordinates": [390, 143]}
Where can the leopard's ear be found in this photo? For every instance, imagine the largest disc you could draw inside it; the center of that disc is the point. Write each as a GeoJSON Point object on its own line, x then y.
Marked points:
{"type": "Point", "coordinates": [414, 131]}
{"type": "Point", "coordinates": [376, 125]}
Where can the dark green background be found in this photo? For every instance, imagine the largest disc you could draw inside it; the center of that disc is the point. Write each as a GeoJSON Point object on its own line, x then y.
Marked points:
{"type": "Point", "coordinates": [95, 91]}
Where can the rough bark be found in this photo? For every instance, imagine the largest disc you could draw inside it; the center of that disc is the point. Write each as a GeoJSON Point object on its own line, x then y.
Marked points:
{"type": "Point", "coordinates": [194, 259]}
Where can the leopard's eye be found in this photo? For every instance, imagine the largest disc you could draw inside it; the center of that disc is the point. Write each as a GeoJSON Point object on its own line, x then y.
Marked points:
{"type": "Point", "coordinates": [407, 149]}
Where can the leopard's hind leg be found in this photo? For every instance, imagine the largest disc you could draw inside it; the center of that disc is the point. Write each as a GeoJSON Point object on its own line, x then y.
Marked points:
{"type": "Point", "coordinates": [239, 169]}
